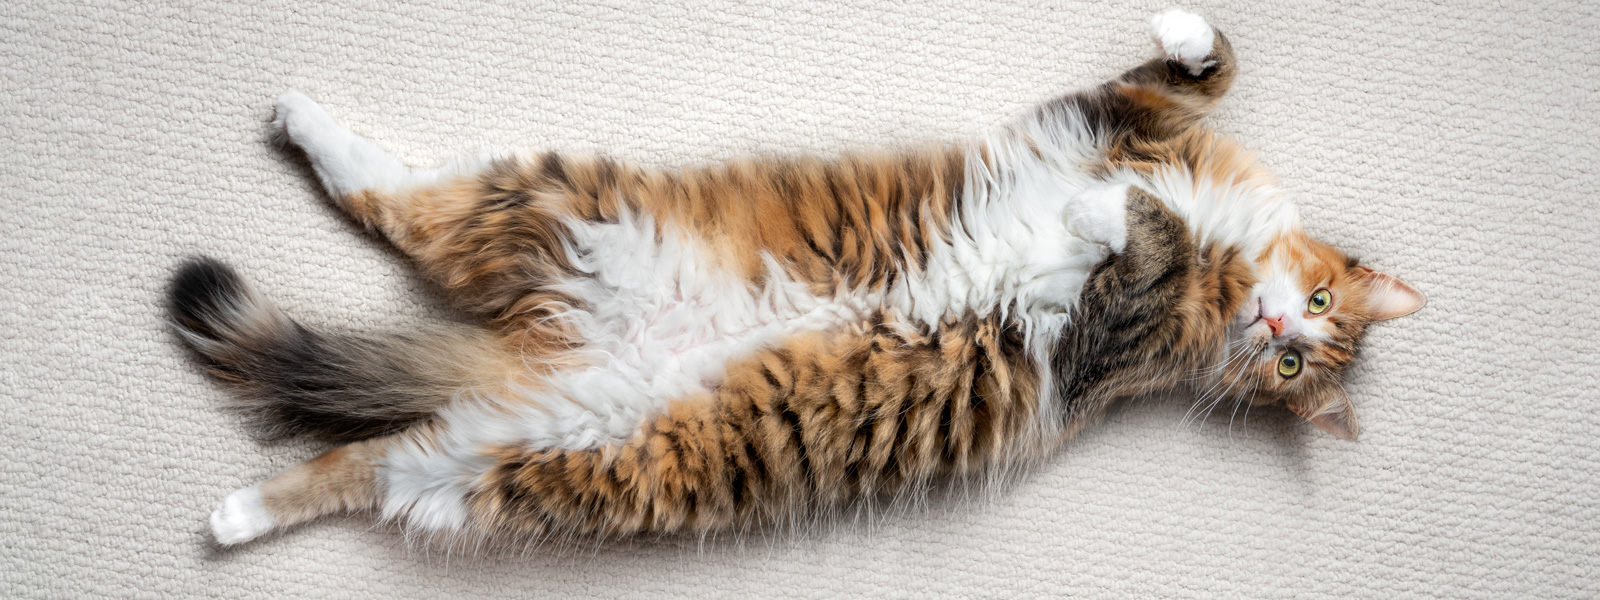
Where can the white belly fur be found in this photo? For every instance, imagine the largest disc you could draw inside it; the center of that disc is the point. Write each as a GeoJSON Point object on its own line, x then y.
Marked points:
{"type": "Point", "coordinates": [661, 323]}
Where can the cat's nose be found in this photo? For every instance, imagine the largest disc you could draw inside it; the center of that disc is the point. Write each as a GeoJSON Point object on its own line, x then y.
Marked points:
{"type": "Point", "coordinates": [1275, 324]}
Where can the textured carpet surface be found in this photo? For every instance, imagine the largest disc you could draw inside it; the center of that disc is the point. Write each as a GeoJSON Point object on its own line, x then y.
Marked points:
{"type": "Point", "coordinates": [1453, 144]}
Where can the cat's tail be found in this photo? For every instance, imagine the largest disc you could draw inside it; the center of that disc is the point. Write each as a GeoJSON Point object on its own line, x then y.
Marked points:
{"type": "Point", "coordinates": [292, 380]}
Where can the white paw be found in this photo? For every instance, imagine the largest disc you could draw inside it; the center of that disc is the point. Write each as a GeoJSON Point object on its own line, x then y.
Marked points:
{"type": "Point", "coordinates": [241, 517]}
{"type": "Point", "coordinates": [303, 120]}
{"type": "Point", "coordinates": [345, 162]}
{"type": "Point", "coordinates": [1184, 37]}
{"type": "Point", "coordinates": [1100, 214]}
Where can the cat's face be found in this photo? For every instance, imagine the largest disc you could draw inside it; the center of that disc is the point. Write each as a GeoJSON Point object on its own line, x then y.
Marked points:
{"type": "Point", "coordinates": [1299, 328]}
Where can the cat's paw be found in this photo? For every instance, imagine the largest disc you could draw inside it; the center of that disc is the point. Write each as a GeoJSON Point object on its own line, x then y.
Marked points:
{"type": "Point", "coordinates": [300, 119]}
{"type": "Point", "coordinates": [345, 163]}
{"type": "Point", "coordinates": [241, 517]}
{"type": "Point", "coordinates": [1185, 37]}
{"type": "Point", "coordinates": [1100, 214]}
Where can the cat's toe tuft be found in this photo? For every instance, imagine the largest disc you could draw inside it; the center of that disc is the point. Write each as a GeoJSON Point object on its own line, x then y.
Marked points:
{"type": "Point", "coordinates": [241, 517]}
{"type": "Point", "coordinates": [1185, 37]}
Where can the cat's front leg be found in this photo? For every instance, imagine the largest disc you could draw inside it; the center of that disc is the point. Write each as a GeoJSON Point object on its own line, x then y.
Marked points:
{"type": "Point", "coordinates": [1160, 98]}
{"type": "Point", "coordinates": [1146, 237]}
{"type": "Point", "coordinates": [1187, 38]}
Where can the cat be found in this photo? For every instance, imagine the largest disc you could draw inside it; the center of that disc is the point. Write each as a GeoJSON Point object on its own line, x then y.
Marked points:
{"type": "Point", "coordinates": [749, 342]}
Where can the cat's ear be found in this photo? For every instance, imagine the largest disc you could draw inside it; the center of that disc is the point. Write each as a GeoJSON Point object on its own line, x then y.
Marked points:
{"type": "Point", "coordinates": [1330, 410]}
{"type": "Point", "coordinates": [1387, 296]}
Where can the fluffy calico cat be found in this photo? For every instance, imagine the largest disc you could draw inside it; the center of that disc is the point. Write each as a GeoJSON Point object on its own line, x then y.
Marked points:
{"type": "Point", "coordinates": [750, 342]}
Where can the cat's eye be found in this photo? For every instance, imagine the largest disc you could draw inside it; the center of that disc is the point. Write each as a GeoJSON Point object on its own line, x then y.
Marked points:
{"type": "Point", "coordinates": [1289, 364]}
{"type": "Point", "coordinates": [1319, 302]}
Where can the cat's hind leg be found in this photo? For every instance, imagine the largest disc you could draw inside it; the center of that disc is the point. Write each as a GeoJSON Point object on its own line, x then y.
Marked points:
{"type": "Point", "coordinates": [340, 480]}
{"type": "Point", "coordinates": [344, 162]}
{"type": "Point", "coordinates": [492, 232]}
{"type": "Point", "coordinates": [368, 182]}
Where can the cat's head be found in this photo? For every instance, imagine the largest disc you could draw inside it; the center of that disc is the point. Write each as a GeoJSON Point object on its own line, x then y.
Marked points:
{"type": "Point", "coordinates": [1300, 325]}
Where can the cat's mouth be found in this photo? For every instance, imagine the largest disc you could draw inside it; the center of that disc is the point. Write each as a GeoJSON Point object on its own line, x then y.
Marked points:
{"type": "Point", "coordinates": [1249, 315]}
{"type": "Point", "coordinates": [1252, 325]}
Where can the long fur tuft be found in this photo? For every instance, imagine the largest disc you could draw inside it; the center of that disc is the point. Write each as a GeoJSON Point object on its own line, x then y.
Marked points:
{"type": "Point", "coordinates": [291, 380]}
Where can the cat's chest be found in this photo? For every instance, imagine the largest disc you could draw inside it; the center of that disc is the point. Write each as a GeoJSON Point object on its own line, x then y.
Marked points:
{"type": "Point", "coordinates": [1014, 255]}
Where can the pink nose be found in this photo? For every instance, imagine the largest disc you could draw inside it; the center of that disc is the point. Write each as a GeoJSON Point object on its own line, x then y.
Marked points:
{"type": "Point", "coordinates": [1274, 323]}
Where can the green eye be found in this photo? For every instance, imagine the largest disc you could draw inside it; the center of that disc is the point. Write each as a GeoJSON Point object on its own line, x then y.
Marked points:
{"type": "Point", "coordinates": [1289, 365]}
{"type": "Point", "coordinates": [1319, 302]}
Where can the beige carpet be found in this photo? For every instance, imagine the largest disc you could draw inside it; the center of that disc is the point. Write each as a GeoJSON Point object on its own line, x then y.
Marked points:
{"type": "Point", "coordinates": [1453, 145]}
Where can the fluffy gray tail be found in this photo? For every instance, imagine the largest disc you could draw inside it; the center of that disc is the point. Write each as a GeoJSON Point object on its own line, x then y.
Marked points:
{"type": "Point", "coordinates": [292, 380]}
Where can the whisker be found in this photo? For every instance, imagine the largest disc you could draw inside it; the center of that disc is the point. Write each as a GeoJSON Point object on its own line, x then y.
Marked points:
{"type": "Point", "coordinates": [1232, 414]}
{"type": "Point", "coordinates": [1232, 380]}
{"type": "Point", "coordinates": [1224, 394]}
{"type": "Point", "coordinates": [1255, 386]}
{"type": "Point", "coordinates": [1241, 346]}
{"type": "Point", "coordinates": [1204, 396]}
